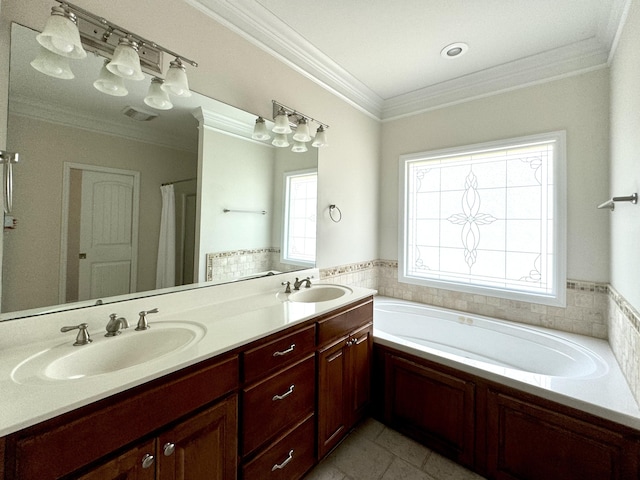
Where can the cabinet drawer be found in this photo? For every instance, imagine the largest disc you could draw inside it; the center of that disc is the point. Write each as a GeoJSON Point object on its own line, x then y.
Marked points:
{"type": "Point", "coordinates": [345, 322]}
{"type": "Point", "coordinates": [101, 429]}
{"type": "Point", "coordinates": [272, 405]}
{"type": "Point", "coordinates": [287, 459]}
{"type": "Point", "coordinates": [278, 353]}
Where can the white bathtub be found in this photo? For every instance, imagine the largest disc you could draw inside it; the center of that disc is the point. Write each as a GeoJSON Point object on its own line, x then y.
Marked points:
{"type": "Point", "coordinates": [572, 369]}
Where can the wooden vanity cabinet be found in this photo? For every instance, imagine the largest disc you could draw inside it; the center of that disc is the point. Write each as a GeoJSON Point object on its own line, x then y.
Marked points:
{"type": "Point", "coordinates": [82, 439]}
{"type": "Point", "coordinates": [344, 373]}
{"type": "Point", "coordinates": [528, 438]}
{"type": "Point", "coordinates": [278, 407]}
{"type": "Point", "coordinates": [431, 405]}
{"type": "Point", "coordinates": [500, 432]}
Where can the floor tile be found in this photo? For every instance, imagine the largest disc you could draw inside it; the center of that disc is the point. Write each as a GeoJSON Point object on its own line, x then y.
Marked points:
{"type": "Point", "coordinates": [401, 470]}
{"type": "Point", "coordinates": [375, 452]}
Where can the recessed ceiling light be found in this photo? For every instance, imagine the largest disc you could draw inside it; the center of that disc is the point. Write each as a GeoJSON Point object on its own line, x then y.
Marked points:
{"type": "Point", "coordinates": [454, 50]}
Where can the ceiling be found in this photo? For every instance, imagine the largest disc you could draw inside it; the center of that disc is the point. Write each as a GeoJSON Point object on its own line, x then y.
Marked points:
{"type": "Point", "coordinates": [384, 56]}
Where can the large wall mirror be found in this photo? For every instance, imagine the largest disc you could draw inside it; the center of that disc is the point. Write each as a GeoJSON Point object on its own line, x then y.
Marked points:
{"type": "Point", "coordinates": [87, 193]}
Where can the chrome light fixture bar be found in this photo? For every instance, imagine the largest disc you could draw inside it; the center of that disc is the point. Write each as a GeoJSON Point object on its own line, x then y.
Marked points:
{"type": "Point", "coordinates": [70, 28]}
{"type": "Point", "coordinates": [287, 120]}
{"type": "Point", "coordinates": [102, 36]}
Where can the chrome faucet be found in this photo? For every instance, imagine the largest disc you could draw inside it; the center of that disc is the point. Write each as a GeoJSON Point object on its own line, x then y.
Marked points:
{"type": "Point", "coordinates": [298, 283]}
{"type": "Point", "coordinates": [83, 337]}
{"type": "Point", "coordinates": [115, 324]}
{"type": "Point", "coordinates": [142, 320]}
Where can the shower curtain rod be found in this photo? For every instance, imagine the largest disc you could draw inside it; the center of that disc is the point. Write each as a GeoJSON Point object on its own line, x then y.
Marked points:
{"type": "Point", "coordinates": [179, 181]}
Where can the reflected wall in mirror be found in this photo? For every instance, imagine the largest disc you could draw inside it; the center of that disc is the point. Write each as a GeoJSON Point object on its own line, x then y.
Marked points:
{"type": "Point", "coordinates": [65, 130]}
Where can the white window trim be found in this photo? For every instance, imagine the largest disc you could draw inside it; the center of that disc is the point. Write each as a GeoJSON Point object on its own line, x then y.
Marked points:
{"type": "Point", "coordinates": [558, 297]}
{"type": "Point", "coordinates": [285, 219]}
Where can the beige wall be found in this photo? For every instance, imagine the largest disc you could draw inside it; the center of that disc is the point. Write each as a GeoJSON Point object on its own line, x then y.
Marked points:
{"type": "Point", "coordinates": [625, 160]}
{"type": "Point", "coordinates": [578, 104]}
{"type": "Point", "coordinates": [32, 251]}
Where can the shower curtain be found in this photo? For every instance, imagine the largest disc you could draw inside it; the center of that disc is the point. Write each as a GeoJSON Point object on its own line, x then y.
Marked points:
{"type": "Point", "coordinates": [166, 267]}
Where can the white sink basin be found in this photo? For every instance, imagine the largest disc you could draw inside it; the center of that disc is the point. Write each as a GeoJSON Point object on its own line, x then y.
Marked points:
{"type": "Point", "coordinates": [107, 355]}
{"type": "Point", "coordinates": [319, 293]}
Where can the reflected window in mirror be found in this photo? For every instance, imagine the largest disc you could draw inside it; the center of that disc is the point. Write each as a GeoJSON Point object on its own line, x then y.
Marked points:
{"type": "Point", "coordinates": [301, 200]}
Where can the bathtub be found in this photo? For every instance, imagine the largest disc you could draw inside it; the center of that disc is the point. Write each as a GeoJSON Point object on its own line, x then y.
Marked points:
{"type": "Point", "coordinates": [574, 370]}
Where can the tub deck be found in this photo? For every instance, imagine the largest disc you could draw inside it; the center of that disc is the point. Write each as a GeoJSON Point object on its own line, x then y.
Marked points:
{"type": "Point", "coordinates": [602, 391]}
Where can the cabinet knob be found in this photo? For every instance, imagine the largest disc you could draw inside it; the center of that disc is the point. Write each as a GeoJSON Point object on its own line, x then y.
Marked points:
{"type": "Point", "coordinates": [168, 449]}
{"type": "Point", "coordinates": [148, 460]}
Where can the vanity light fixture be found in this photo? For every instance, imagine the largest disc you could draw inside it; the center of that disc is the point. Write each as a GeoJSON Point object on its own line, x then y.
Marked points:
{"type": "Point", "coordinates": [70, 30]}
{"type": "Point", "coordinates": [320, 139]}
{"type": "Point", "coordinates": [176, 82]}
{"type": "Point", "coordinates": [302, 131]}
{"type": "Point", "coordinates": [260, 131]}
{"type": "Point", "coordinates": [126, 62]}
{"type": "Point", "coordinates": [61, 35]}
{"type": "Point", "coordinates": [288, 120]}
{"type": "Point", "coordinates": [281, 122]}
{"type": "Point", "coordinates": [53, 65]}
{"type": "Point", "coordinates": [157, 97]}
{"type": "Point", "coordinates": [110, 83]}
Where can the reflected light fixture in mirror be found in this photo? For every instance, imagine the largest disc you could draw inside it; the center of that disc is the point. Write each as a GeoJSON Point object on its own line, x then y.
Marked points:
{"type": "Point", "coordinates": [53, 65]}
{"type": "Point", "coordinates": [280, 140]}
{"type": "Point", "coordinates": [109, 83]}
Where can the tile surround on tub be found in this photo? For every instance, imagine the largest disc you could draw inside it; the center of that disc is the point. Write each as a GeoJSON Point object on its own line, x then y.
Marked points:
{"type": "Point", "coordinates": [585, 313]}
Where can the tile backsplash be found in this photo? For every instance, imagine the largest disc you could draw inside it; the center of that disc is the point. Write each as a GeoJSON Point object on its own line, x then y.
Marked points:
{"type": "Point", "coordinates": [585, 313]}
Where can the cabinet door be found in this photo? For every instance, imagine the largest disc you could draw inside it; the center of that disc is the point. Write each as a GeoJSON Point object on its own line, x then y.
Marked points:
{"type": "Point", "coordinates": [135, 464]}
{"type": "Point", "coordinates": [332, 396]}
{"type": "Point", "coordinates": [203, 447]}
{"type": "Point", "coordinates": [359, 355]}
{"type": "Point", "coordinates": [431, 406]}
{"type": "Point", "coordinates": [526, 441]}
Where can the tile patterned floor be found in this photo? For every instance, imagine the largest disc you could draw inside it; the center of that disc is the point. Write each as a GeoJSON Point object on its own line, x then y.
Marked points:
{"type": "Point", "coordinates": [375, 452]}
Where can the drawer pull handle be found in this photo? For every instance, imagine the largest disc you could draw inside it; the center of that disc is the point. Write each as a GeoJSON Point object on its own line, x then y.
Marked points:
{"type": "Point", "coordinates": [147, 460]}
{"type": "Point", "coordinates": [284, 352]}
{"type": "Point", "coordinates": [283, 464]}
{"type": "Point", "coordinates": [284, 395]}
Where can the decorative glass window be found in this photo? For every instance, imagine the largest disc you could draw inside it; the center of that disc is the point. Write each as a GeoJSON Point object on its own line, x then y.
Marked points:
{"type": "Point", "coordinates": [301, 200]}
{"type": "Point", "coordinates": [487, 219]}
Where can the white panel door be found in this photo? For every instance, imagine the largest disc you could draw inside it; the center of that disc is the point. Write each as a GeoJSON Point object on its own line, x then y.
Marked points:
{"type": "Point", "coordinates": [106, 235]}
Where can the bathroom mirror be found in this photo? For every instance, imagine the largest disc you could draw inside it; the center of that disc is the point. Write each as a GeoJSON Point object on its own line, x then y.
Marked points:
{"type": "Point", "coordinates": [69, 134]}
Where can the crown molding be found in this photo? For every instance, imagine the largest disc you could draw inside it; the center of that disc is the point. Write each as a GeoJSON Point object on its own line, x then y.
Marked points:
{"type": "Point", "coordinates": [572, 59]}
{"type": "Point", "coordinates": [255, 23]}
{"type": "Point", "coordinates": [39, 110]}
{"type": "Point", "coordinates": [227, 125]}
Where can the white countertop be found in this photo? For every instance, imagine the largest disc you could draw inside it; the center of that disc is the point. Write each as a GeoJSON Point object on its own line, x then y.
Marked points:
{"type": "Point", "coordinates": [230, 319]}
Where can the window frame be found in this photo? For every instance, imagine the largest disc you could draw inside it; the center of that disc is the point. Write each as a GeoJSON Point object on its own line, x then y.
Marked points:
{"type": "Point", "coordinates": [559, 275]}
{"type": "Point", "coordinates": [285, 217]}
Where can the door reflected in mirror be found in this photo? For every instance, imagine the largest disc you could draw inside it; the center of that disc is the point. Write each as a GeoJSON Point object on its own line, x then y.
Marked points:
{"type": "Point", "coordinates": [54, 122]}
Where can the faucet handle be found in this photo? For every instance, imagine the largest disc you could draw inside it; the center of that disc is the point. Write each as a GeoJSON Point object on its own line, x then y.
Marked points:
{"type": "Point", "coordinates": [142, 321]}
{"type": "Point", "coordinates": [288, 287]}
{"type": "Point", "coordinates": [83, 335]}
